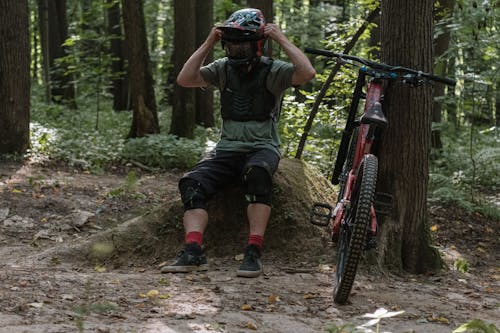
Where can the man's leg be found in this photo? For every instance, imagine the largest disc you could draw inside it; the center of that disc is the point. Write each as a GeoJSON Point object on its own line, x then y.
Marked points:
{"type": "Point", "coordinates": [196, 187]}
{"type": "Point", "coordinates": [195, 221]}
{"type": "Point", "coordinates": [258, 217]}
{"type": "Point", "coordinates": [258, 189]}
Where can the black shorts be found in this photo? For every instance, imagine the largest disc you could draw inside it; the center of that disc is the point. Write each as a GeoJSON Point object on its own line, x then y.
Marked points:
{"type": "Point", "coordinates": [221, 168]}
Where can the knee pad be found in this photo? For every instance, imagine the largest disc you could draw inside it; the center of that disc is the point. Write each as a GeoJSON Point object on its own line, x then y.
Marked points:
{"type": "Point", "coordinates": [258, 185]}
{"type": "Point", "coordinates": [192, 194]}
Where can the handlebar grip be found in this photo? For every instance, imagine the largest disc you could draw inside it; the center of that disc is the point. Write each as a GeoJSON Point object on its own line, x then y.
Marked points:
{"type": "Point", "coordinates": [444, 80]}
{"type": "Point", "coordinates": [321, 52]}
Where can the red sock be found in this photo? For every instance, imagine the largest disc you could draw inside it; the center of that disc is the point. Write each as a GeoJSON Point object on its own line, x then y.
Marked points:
{"type": "Point", "coordinates": [256, 240]}
{"type": "Point", "coordinates": [194, 237]}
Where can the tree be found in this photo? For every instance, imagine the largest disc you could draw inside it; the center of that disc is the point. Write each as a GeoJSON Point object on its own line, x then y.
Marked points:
{"type": "Point", "coordinates": [120, 85]}
{"type": "Point", "coordinates": [204, 97]}
{"type": "Point", "coordinates": [14, 76]}
{"type": "Point", "coordinates": [183, 111]}
{"type": "Point", "coordinates": [442, 42]}
{"type": "Point", "coordinates": [406, 33]}
{"type": "Point", "coordinates": [145, 118]}
{"type": "Point", "coordinates": [53, 33]}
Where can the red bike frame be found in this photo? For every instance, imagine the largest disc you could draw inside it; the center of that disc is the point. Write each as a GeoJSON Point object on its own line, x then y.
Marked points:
{"type": "Point", "coordinates": [363, 146]}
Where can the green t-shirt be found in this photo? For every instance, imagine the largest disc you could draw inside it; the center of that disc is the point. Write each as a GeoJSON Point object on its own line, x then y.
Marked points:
{"type": "Point", "coordinates": [246, 136]}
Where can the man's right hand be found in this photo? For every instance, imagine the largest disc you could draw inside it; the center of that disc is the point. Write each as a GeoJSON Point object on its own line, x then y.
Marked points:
{"type": "Point", "coordinates": [214, 36]}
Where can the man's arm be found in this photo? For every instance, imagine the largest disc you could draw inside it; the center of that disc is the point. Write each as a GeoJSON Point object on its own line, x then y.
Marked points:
{"type": "Point", "coordinates": [189, 75]}
{"type": "Point", "coordinates": [304, 71]}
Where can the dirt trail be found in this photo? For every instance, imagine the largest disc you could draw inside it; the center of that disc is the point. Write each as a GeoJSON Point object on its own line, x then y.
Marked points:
{"type": "Point", "coordinates": [45, 207]}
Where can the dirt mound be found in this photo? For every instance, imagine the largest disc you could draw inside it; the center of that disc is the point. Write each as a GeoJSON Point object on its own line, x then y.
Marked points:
{"type": "Point", "coordinates": [157, 234]}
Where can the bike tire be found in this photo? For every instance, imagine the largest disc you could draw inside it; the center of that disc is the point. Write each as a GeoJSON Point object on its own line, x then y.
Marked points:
{"type": "Point", "coordinates": [354, 231]}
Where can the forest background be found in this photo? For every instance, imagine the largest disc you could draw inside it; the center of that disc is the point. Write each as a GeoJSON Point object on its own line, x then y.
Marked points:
{"type": "Point", "coordinates": [91, 59]}
{"type": "Point", "coordinates": [80, 76]}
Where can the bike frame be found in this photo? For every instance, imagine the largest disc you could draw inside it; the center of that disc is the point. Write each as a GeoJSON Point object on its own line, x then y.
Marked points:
{"type": "Point", "coordinates": [364, 145]}
{"type": "Point", "coordinates": [353, 221]}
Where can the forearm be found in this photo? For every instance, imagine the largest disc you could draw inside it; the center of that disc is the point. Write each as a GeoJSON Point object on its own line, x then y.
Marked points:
{"type": "Point", "coordinates": [190, 75]}
{"type": "Point", "coordinates": [304, 71]}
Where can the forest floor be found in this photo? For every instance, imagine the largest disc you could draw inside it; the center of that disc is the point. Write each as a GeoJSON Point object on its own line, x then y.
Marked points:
{"type": "Point", "coordinates": [47, 207]}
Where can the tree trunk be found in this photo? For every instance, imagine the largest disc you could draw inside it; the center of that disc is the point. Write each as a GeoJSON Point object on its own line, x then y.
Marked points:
{"type": "Point", "coordinates": [53, 33]}
{"type": "Point", "coordinates": [442, 43]}
{"type": "Point", "coordinates": [184, 103]}
{"type": "Point", "coordinates": [406, 32]}
{"type": "Point", "coordinates": [266, 6]}
{"type": "Point", "coordinates": [497, 103]}
{"type": "Point", "coordinates": [204, 97]}
{"type": "Point", "coordinates": [14, 76]}
{"type": "Point", "coordinates": [120, 85]}
{"type": "Point", "coordinates": [145, 118]}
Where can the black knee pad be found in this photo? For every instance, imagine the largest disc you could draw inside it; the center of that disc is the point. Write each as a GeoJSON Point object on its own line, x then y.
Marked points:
{"type": "Point", "coordinates": [258, 185]}
{"type": "Point", "coordinates": [192, 194]}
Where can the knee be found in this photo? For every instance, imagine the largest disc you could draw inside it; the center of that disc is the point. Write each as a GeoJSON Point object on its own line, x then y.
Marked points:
{"type": "Point", "coordinates": [192, 194]}
{"type": "Point", "coordinates": [258, 185]}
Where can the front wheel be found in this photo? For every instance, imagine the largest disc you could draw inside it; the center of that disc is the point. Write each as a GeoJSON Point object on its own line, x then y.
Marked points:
{"type": "Point", "coordinates": [354, 228]}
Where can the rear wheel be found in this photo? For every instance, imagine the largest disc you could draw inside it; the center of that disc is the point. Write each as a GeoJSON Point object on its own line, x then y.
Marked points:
{"type": "Point", "coordinates": [354, 228]}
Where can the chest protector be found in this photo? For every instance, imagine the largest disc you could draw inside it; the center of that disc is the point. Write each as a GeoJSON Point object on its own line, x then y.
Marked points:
{"type": "Point", "coordinates": [245, 96]}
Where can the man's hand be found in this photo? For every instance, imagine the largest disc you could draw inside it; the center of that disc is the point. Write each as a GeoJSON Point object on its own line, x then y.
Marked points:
{"type": "Point", "coordinates": [274, 32]}
{"type": "Point", "coordinates": [214, 36]}
{"type": "Point", "coordinates": [190, 75]}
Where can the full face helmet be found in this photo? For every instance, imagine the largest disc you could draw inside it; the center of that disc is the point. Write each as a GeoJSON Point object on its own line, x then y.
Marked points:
{"type": "Point", "coordinates": [243, 36]}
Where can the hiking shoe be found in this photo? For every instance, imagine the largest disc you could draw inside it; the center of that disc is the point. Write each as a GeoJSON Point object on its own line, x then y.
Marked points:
{"type": "Point", "coordinates": [252, 265]}
{"type": "Point", "coordinates": [190, 259]}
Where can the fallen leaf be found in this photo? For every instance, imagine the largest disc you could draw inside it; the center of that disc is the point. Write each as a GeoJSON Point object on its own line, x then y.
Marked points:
{"type": "Point", "coordinates": [164, 281]}
{"type": "Point", "coordinates": [251, 326]}
{"type": "Point", "coordinates": [153, 293]}
{"type": "Point", "coordinates": [434, 228]}
{"type": "Point", "coordinates": [246, 307]}
{"type": "Point", "coordinates": [100, 269]}
{"type": "Point", "coordinates": [36, 305]}
{"type": "Point", "coordinates": [239, 257]}
{"type": "Point", "coordinates": [439, 319]}
{"type": "Point", "coordinates": [272, 299]}
{"type": "Point", "coordinates": [309, 296]}
{"type": "Point", "coordinates": [164, 296]}
{"type": "Point", "coordinates": [55, 261]}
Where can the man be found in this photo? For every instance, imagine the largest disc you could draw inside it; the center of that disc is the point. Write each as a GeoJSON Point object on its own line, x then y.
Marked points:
{"type": "Point", "coordinates": [252, 88]}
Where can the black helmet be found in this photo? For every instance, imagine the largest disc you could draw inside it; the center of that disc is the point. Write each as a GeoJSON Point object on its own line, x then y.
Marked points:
{"type": "Point", "coordinates": [244, 25]}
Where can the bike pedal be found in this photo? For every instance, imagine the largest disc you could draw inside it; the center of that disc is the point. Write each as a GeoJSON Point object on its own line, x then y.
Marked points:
{"type": "Point", "coordinates": [321, 214]}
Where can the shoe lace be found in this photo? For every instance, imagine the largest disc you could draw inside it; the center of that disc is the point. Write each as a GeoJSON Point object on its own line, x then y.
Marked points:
{"type": "Point", "coordinates": [251, 255]}
{"type": "Point", "coordinates": [193, 258]}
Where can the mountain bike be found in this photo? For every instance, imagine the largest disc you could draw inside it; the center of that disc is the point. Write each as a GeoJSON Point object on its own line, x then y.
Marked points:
{"type": "Point", "coordinates": [353, 221]}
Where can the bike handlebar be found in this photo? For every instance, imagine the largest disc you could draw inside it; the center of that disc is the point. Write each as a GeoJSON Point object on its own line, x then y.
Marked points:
{"type": "Point", "coordinates": [382, 66]}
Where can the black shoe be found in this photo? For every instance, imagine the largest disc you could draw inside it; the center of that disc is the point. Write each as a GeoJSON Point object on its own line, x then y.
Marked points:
{"type": "Point", "coordinates": [252, 265]}
{"type": "Point", "coordinates": [190, 259]}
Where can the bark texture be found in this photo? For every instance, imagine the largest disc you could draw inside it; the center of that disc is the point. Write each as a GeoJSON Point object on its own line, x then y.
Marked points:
{"type": "Point", "coordinates": [145, 119]}
{"type": "Point", "coordinates": [184, 100]}
{"type": "Point", "coordinates": [54, 32]}
{"type": "Point", "coordinates": [204, 97]}
{"type": "Point", "coordinates": [406, 33]}
{"type": "Point", "coordinates": [14, 76]}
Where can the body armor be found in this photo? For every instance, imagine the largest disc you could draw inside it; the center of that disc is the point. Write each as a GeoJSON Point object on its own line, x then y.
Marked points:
{"type": "Point", "coordinates": [245, 96]}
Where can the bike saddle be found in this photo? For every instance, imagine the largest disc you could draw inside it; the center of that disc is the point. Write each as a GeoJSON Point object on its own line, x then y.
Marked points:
{"type": "Point", "coordinates": [374, 116]}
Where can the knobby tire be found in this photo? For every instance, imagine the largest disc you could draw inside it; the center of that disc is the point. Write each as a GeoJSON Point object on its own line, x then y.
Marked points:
{"type": "Point", "coordinates": [353, 233]}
